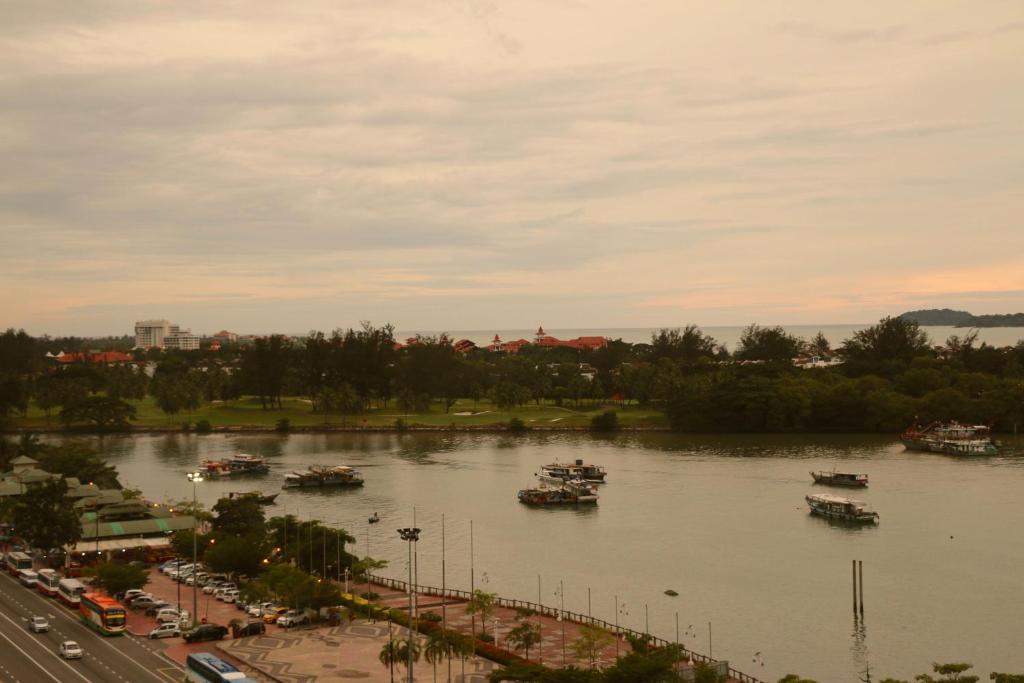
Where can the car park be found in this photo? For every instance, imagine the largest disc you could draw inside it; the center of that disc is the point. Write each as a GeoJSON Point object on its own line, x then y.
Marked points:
{"type": "Point", "coordinates": [69, 649]}
{"type": "Point", "coordinates": [292, 617]}
{"type": "Point", "coordinates": [168, 630]}
{"type": "Point", "coordinates": [204, 633]}
{"type": "Point", "coordinates": [39, 624]}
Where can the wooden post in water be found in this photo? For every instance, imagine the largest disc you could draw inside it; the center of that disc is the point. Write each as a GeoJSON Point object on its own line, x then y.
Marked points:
{"type": "Point", "coordinates": [860, 584]}
{"type": "Point", "coordinates": [854, 586]}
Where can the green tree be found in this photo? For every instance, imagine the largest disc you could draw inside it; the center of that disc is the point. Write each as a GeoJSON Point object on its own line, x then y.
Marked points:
{"type": "Point", "coordinates": [524, 636]}
{"type": "Point", "coordinates": [793, 678]}
{"type": "Point", "coordinates": [242, 516]}
{"type": "Point", "coordinates": [76, 459]}
{"type": "Point", "coordinates": [235, 555]}
{"type": "Point", "coordinates": [103, 412]}
{"type": "Point", "coordinates": [45, 517]}
{"type": "Point", "coordinates": [608, 421]}
{"type": "Point", "coordinates": [891, 339]}
{"type": "Point", "coordinates": [481, 603]}
{"type": "Point", "coordinates": [591, 643]}
{"type": "Point", "coordinates": [117, 578]}
{"type": "Point", "coordinates": [771, 344]}
{"type": "Point", "coordinates": [438, 647]}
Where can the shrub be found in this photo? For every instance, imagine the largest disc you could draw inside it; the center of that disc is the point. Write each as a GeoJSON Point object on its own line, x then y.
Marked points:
{"type": "Point", "coordinates": [370, 595]}
{"type": "Point", "coordinates": [203, 427]}
{"type": "Point", "coordinates": [283, 426]}
{"type": "Point", "coordinates": [608, 421]}
{"type": "Point", "coordinates": [516, 425]}
{"type": "Point", "coordinates": [400, 425]}
{"type": "Point", "coordinates": [430, 616]}
{"type": "Point", "coordinates": [185, 426]}
{"type": "Point", "coordinates": [485, 638]}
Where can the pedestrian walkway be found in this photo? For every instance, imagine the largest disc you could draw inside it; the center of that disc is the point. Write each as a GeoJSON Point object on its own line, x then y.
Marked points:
{"type": "Point", "coordinates": [342, 653]}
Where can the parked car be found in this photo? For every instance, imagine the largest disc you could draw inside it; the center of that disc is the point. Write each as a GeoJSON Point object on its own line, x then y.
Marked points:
{"type": "Point", "coordinates": [256, 610]}
{"type": "Point", "coordinates": [204, 633]}
{"type": "Point", "coordinates": [271, 615]}
{"type": "Point", "coordinates": [144, 602]}
{"type": "Point", "coordinates": [172, 615]}
{"type": "Point", "coordinates": [69, 649]}
{"type": "Point", "coordinates": [127, 596]}
{"type": "Point", "coordinates": [160, 605]}
{"type": "Point", "coordinates": [292, 617]}
{"type": "Point", "coordinates": [220, 585]}
{"type": "Point", "coordinates": [39, 624]}
{"type": "Point", "coordinates": [230, 595]}
{"type": "Point", "coordinates": [253, 628]}
{"type": "Point", "coordinates": [132, 598]}
{"type": "Point", "coordinates": [169, 630]}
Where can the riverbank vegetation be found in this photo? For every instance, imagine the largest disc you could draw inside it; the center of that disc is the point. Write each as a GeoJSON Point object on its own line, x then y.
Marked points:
{"type": "Point", "coordinates": [880, 380]}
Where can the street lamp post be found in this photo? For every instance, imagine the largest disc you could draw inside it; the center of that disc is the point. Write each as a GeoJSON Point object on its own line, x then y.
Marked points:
{"type": "Point", "coordinates": [412, 536]}
{"type": "Point", "coordinates": [195, 478]}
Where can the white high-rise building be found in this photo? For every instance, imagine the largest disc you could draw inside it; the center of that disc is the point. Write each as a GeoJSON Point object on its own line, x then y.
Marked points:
{"type": "Point", "coordinates": [151, 333]}
{"type": "Point", "coordinates": [161, 334]}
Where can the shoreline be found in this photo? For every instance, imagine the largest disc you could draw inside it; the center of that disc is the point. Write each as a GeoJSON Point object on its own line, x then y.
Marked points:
{"type": "Point", "coordinates": [241, 429]}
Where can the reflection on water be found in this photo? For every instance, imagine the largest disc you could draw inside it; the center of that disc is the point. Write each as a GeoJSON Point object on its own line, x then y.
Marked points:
{"type": "Point", "coordinates": [720, 519]}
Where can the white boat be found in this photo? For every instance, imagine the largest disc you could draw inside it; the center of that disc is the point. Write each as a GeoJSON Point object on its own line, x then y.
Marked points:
{"type": "Point", "coordinates": [594, 474]}
{"type": "Point", "coordinates": [837, 507]}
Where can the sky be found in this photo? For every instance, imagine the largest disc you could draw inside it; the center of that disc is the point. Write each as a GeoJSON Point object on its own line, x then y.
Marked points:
{"type": "Point", "coordinates": [460, 165]}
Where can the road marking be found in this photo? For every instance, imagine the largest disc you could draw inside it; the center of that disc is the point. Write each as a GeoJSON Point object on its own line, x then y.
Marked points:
{"type": "Point", "coordinates": [170, 674]}
{"type": "Point", "coordinates": [34, 660]}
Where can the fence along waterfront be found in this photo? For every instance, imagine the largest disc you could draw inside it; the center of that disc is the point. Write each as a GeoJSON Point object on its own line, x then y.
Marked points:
{"type": "Point", "coordinates": [555, 613]}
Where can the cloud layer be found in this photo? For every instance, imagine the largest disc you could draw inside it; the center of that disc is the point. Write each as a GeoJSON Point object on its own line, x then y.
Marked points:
{"type": "Point", "coordinates": [462, 165]}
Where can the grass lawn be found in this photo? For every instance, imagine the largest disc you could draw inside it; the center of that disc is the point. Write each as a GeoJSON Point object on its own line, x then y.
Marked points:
{"type": "Point", "coordinates": [246, 412]}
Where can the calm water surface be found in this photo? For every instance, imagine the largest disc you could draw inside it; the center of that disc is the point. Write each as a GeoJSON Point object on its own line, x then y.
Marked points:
{"type": "Point", "coordinates": [721, 520]}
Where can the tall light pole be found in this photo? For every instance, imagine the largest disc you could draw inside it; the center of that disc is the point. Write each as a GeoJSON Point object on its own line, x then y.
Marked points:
{"type": "Point", "coordinates": [412, 536]}
{"type": "Point", "coordinates": [195, 478]}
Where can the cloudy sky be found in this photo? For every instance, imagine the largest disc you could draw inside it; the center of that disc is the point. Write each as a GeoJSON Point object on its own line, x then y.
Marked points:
{"type": "Point", "coordinates": [269, 166]}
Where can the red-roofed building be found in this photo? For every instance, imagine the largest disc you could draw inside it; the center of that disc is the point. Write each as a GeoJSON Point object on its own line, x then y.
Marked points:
{"type": "Point", "coordinates": [225, 337]}
{"type": "Point", "coordinates": [464, 346]}
{"type": "Point", "coordinates": [96, 357]}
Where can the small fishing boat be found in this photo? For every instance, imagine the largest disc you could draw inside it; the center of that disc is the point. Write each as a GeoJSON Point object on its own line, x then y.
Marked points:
{"type": "Point", "coordinates": [324, 475]}
{"type": "Point", "coordinates": [834, 478]}
{"type": "Point", "coordinates": [950, 438]}
{"type": "Point", "coordinates": [837, 507]}
{"type": "Point", "coordinates": [568, 493]}
{"type": "Point", "coordinates": [594, 474]}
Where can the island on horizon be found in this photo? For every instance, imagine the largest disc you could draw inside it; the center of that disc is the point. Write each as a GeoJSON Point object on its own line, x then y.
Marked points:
{"type": "Point", "coordinates": [947, 316]}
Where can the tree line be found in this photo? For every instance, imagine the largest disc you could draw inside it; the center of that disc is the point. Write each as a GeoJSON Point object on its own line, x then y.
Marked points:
{"type": "Point", "coordinates": [890, 375]}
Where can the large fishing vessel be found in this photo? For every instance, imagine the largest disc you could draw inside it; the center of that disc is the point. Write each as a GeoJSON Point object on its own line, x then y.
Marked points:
{"type": "Point", "coordinates": [568, 493]}
{"type": "Point", "coordinates": [951, 438]}
{"type": "Point", "coordinates": [834, 478]}
{"type": "Point", "coordinates": [837, 507]}
{"type": "Point", "coordinates": [243, 463]}
{"type": "Point", "coordinates": [261, 498]}
{"type": "Point", "coordinates": [594, 474]}
{"type": "Point", "coordinates": [324, 475]}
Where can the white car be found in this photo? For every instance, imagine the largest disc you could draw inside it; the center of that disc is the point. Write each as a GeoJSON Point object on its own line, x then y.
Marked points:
{"type": "Point", "coordinates": [170, 630]}
{"type": "Point", "coordinates": [292, 617]}
{"type": "Point", "coordinates": [131, 593]}
{"type": "Point", "coordinates": [69, 649]}
{"type": "Point", "coordinates": [39, 625]}
{"type": "Point", "coordinates": [172, 615]}
{"type": "Point", "coordinates": [230, 595]}
{"type": "Point", "coordinates": [257, 609]}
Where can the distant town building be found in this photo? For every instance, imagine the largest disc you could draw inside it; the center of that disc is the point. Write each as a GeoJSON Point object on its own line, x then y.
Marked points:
{"type": "Point", "coordinates": [161, 334]}
{"type": "Point", "coordinates": [544, 340]}
{"type": "Point", "coordinates": [94, 357]}
{"type": "Point", "coordinates": [464, 346]}
{"type": "Point", "coordinates": [225, 337]}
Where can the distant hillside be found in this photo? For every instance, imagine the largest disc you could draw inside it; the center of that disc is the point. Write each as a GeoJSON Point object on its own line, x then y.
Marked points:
{"type": "Point", "coordinates": [947, 316]}
{"type": "Point", "coordinates": [938, 316]}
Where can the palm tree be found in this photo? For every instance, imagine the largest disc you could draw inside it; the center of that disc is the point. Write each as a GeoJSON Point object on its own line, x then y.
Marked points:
{"type": "Point", "coordinates": [389, 654]}
{"type": "Point", "coordinates": [524, 637]}
{"type": "Point", "coordinates": [438, 647]}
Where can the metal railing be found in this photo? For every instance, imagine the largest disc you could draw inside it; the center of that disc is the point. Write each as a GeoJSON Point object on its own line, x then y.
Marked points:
{"type": "Point", "coordinates": [556, 613]}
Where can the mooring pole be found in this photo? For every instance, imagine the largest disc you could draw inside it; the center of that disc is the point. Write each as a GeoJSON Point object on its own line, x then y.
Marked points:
{"type": "Point", "coordinates": [854, 586]}
{"type": "Point", "coordinates": [860, 584]}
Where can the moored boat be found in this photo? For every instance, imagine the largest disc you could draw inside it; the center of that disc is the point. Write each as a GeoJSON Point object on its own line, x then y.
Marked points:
{"type": "Point", "coordinates": [324, 475]}
{"type": "Point", "coordinates": [594, 474]}
{"type": "Point", "coordinates": [243, 463]}
{"type": "Point", "coordinates": [262, 499]}
{"type": "Point", "coordinates": [951, 438]}
{"type": "Point", "coordinates": [837, 507]}
{"type": "Point", "coordinates": [568, 493]}
{"type": "Point", "coordinates": [834, 478]}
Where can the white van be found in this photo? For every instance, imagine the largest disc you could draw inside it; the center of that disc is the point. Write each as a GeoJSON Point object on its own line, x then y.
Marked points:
{"type": "Point", "coordinates": [171, 615]}
{"type": "Point", "coordinates": [28, 578]}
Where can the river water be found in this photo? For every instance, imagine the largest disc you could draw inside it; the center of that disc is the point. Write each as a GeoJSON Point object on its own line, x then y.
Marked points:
{"type": "Point", "coordinates": [719, 519]}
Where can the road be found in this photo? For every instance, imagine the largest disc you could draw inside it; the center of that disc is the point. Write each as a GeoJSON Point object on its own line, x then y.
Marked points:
{"type": "Point", "coordinates": [27, 657]}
